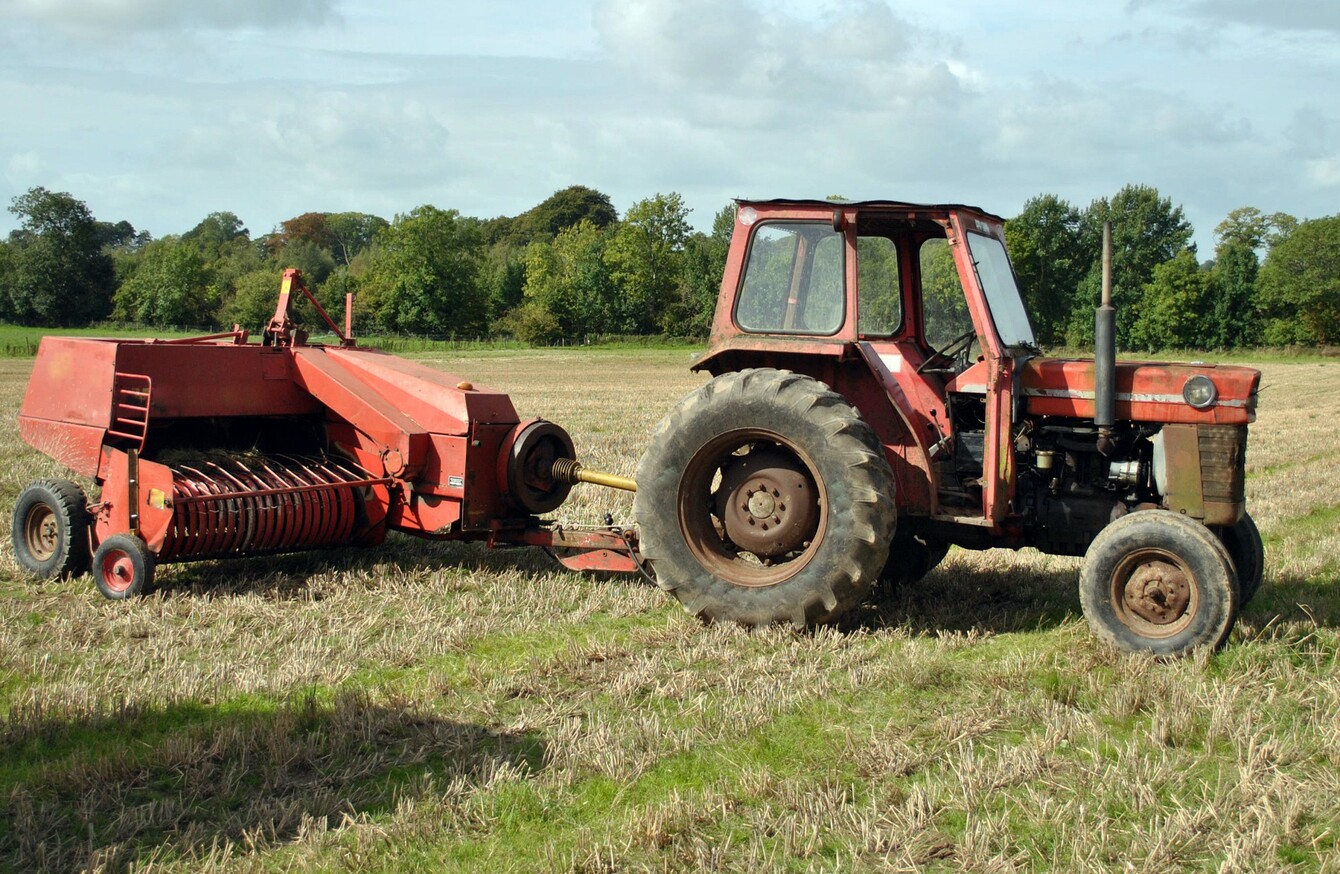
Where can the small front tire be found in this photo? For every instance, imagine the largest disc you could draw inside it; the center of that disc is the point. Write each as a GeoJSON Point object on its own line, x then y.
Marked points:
{"type": "Point", "coordinates": [1157, 582]}
{"type": "Point", "coordinates": [1243, 542]}
{"type": "Point", "coordinates": [123, 567]}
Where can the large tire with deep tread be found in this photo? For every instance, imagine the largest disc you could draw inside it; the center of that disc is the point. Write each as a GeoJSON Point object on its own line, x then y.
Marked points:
{"type": "Point", "coordinates": [1243, 542]}
{"type": "Point", "coordinates": [708, 473]}
{"type": "Point", "coordinates": [1157, 582]}
{"type": "Point", "coordinates": [50, 529]}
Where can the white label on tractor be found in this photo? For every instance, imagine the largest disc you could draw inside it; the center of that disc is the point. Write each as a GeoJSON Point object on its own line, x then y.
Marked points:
{"type": "Point", "coordinates": [455, 482]}
{"type": "Point", "coordinates": [893, 362]}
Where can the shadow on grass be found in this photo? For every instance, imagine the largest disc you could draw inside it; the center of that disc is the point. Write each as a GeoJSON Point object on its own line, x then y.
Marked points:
{"type": "Point", "coordinates": [1017, 597]}
{"type": "Point", "coordinates": [1310, 600]}
{"type": "Point", "coordinates": [111, 789]}
{"type": "Point", "coordinates": [290, 575]}
{"type": "Point", "coordinates": [959, 597]}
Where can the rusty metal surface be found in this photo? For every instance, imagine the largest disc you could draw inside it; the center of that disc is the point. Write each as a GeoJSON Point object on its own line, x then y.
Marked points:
{"type": "Point", "coordinates": [768, 504]}
{"type": "Point", "coordinates": [1158, 592]}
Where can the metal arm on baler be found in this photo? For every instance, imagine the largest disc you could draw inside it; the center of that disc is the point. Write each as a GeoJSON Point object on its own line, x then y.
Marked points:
{"type": "Point", "coordinates": [283, 331]}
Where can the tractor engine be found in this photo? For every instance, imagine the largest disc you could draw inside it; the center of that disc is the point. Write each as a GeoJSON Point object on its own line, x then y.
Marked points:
{"type": "Point", "coordinates": [1070, 490]}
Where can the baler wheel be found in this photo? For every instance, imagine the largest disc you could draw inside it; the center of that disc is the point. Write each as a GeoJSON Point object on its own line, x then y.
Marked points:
{"type": "Point", "coordinates": [51, 529]}
{"type": "Point", "coordinates": [765, 498]}
{"type": "Point", "coordinates": [123, 567]}
{"type": "Point", "coordinates": [1243, 542]}
{"type": "Point", "coordinates": [1158, 582]}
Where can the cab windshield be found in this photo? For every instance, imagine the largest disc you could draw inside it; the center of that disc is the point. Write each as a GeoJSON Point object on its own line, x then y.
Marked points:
{"type": "Point", "coordinates": [1002, 292]}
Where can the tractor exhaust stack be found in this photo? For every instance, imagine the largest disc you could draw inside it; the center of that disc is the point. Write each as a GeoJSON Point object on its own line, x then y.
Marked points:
{"type": "Point", "coordinates": [1105, 353]}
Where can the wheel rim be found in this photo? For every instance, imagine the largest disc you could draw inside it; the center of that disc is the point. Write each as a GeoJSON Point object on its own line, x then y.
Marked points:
{"type": "Point", "coordinates": [41, 532]}
{"type": "Point", "coordinates": [117, 570]}
{"type": "Point", "coordinates": [1155, 593]}
{"type": "Point", "coordinates": [752, 509]}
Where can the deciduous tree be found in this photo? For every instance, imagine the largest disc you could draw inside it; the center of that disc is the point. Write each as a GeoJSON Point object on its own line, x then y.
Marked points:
{"type": "Point", "coordinates": [59, 273]}
{"type": "Point", "coordinates": [352, 233]}
{"type": "Point", "coordinates": [171, 287]}
{"type": "Point", "coordinates": [644, 256]}
{"type": "Point", "coordinates": [1147, 230]}
{"type": "Point", "coordinates": [1050, 260]}
{"type": "Point", "coordinates": [424, 275]}
{"type": "Point", "coordinates": [1299, 285]}
{"type": "Point", "coordinates": [569, 278]}
{"type": "Point", "coordinates": [1175, 310]}
{"type": "Point", "coordinates": [1236, 320]}
{"type": "Point", "coordinates": [700, 277]}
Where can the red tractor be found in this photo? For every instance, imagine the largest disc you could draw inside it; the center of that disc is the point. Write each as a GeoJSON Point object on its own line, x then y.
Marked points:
{"type": "Point", "coordinates": [861, 419]}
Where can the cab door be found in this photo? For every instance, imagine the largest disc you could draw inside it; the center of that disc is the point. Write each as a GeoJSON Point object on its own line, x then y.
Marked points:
{"type": "Point", "coordinates": [1000, 322]}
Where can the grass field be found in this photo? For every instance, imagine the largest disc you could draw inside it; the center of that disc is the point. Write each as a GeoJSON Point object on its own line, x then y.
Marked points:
{"type": "Point", "coordinates": [440, 707]}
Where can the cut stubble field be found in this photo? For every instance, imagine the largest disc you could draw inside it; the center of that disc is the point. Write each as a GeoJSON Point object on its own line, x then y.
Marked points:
{"type": "Point", "coordinates": [443, 707]}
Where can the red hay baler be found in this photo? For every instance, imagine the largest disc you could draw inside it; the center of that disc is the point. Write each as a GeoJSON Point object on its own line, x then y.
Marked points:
{"type": "Point", "coordinates": [214, 447]}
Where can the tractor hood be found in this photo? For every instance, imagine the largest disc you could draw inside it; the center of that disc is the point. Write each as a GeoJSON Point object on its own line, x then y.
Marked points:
{"type": "Point", "coordinates": [1147, 391]}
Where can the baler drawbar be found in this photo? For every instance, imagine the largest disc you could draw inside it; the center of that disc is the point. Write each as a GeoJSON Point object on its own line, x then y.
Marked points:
{"type": "Point", "coordinates": [211, 447]}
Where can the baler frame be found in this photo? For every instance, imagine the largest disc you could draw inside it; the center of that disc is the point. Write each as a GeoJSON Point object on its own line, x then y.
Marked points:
{"type": "Point", "coordinates": [214, 446]}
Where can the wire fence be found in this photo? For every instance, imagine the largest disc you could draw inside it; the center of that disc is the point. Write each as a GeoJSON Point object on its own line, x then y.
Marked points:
{"type": "Point", "coordinates": [21, 342]}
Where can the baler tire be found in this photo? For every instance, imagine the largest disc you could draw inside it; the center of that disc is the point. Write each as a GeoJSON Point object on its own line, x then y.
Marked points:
{"type": "Point", "coordinates": [1152, 561]}
{"type": "Point", "coordinates": [911, 557]}
{"type": "Point", "coordinates": [806, 432]}
{"type": "Point", "coordinates": [1243, 541]}
{"type": "Point", "coordinates": [50, 529]}
{"type": "Point", "coordinates": [123, 567]}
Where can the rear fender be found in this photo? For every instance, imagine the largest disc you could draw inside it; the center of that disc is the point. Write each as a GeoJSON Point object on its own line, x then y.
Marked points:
{"type": "Point", "coordinates": [857, 372]}
{"type": "Point", "coordinates": [903, 429]}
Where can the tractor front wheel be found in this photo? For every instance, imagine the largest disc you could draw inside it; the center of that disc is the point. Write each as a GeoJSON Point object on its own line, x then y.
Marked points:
{"type": "Point", "coordinates": [1158, 582]}
{"type": "Point", "coordinates": [50, 529]}
{"type": "Point", "coordinates": [763, 498]}
{"type": "Point", "coordinates": [123, 567]}
{"type": "Point", "coordinates": [1243, 542]}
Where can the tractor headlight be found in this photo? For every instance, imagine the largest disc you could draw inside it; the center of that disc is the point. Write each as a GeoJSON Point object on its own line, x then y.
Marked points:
{"type": "Point", "coordinates": [1200, 392]}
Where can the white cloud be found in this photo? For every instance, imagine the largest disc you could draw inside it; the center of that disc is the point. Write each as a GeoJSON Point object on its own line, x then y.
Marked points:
{"type": "Point", "coordinates": [737, 50]}
{"type": "Point", "coordinates": [1325, 171]}
{"type": "Point", "coordinates": [140, 15]}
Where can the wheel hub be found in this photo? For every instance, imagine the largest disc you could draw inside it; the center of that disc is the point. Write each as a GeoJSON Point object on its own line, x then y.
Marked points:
{"type": "Point", "coordinates": [1158, 592]}
{"type": "Point", "coordinates": [118, 571]}
{"type": "Point", "coordinates": [42, 533]}
{"type": "Point", "coordinates": [768, 504]}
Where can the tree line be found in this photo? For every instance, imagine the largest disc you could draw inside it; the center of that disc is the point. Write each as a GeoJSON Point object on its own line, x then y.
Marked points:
{"type": "Point", "coordinates": [571, 266]}
{"type": "Point", "coordinates": [1272, 280]}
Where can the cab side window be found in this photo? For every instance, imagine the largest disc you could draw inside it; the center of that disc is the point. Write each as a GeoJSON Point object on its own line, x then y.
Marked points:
{"type": "Point", "coordinates": [879, 298]}
{"type": "Point", "coordinates": [794, 280]}
{"type": "Point", "coordinates": [944, 309]}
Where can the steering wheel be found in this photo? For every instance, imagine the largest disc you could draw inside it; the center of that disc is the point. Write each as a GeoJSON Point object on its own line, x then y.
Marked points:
{"type": "Point", "coordinates": [951, 350]}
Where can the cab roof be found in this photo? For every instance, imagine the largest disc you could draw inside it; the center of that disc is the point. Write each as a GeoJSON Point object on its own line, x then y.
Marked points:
{"type": "Point", "coordinates": [889, 205]}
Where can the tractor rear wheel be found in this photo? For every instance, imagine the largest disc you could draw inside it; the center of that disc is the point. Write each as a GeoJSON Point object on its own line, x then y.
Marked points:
{"type": "Point", "coordinates": [50, 529]}
{"type": "Point", "coordinates": [123, 567]}
{"type": "Point", "coordinates": [1158, 582]}
{"type": "Point", "coordinates": [765, 497]}
{"type": "Point", "coordinates": [1243, 542]}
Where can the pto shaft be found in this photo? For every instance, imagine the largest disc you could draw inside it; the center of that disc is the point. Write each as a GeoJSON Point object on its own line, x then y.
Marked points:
{"type": "Point", "coordinates": [566, 470]}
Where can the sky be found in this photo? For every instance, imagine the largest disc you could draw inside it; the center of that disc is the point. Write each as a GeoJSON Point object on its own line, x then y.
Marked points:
{"type": "Point", "coordinates": [160, 112]}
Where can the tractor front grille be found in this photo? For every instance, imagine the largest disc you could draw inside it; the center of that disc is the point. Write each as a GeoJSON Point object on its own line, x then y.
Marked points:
{"type": "Point", "coordinates": [1223, 463]}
